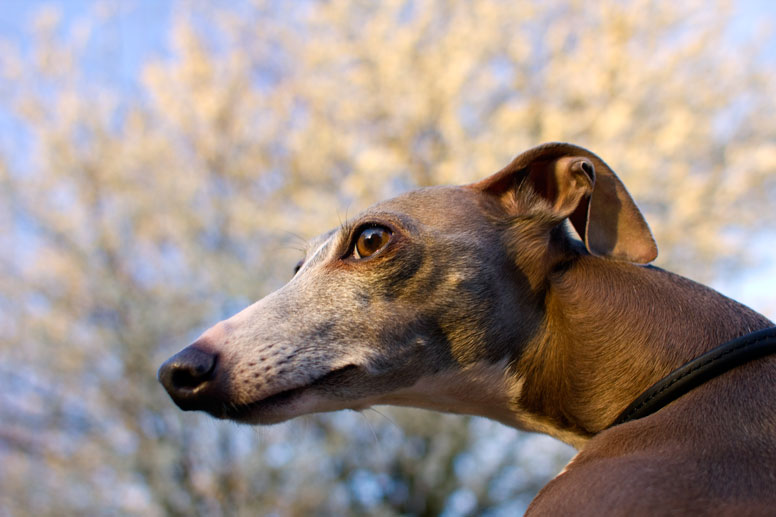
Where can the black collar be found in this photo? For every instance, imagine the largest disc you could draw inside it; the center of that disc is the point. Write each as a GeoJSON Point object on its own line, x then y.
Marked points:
{"type": "Point", "coordinates": [711, 364]}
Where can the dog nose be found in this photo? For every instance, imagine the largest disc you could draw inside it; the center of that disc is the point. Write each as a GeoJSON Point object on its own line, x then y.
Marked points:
{"type": "Point", "coordinates": [188, 377]}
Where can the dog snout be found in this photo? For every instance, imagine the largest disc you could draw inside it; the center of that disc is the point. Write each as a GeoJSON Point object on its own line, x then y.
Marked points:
{"type": "Point", "coordinates": [190, 378]}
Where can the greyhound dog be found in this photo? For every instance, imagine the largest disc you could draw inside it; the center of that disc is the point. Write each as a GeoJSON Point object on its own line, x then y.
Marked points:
{"type": "Point", "coordinates": [478, 300]}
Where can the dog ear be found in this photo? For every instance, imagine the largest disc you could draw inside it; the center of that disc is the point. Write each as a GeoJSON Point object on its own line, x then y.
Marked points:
{"type": "Point", "coordinates": [578, 185]}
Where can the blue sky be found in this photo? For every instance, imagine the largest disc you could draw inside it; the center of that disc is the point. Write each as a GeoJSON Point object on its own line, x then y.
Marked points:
{"type": "Point", "coordinates": [140, 30]}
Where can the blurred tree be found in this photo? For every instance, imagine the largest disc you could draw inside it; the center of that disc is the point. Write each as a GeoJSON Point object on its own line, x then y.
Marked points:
{"type": "Point", "coordinates": [130, 222]}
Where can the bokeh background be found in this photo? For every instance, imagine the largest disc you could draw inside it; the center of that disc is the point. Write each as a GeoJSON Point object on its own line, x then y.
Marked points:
{"type": "Point", "coordinates": [162, 161]}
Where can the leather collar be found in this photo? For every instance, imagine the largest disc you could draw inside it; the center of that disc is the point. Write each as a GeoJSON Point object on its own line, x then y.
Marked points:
{"type": "Point", "coordinates": [698, 371]}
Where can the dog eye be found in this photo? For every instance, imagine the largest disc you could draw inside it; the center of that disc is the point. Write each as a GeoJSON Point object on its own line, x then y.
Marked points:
{"type": "Point", "coordinates": [298, 266]}
{"type": "Point", "coordinates": [371, 240]}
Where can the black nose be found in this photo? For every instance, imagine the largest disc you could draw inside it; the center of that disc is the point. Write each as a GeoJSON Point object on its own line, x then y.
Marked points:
{"type": "Point", "coordinates": [189, 378]}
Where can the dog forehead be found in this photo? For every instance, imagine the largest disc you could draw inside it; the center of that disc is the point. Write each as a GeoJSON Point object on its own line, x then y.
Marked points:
{"type": "Point", "coordinates": [441, 207]}
{"type": "Point", "coordinates": [445, 208]}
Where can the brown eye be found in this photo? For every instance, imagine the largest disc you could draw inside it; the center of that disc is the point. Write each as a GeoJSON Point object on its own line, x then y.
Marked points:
{"type": "Point", "coordinates": [371, 240]}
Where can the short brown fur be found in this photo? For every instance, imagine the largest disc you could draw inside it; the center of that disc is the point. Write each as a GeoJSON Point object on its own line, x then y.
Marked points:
{"type": "Point", "coordinates": [482, 303]}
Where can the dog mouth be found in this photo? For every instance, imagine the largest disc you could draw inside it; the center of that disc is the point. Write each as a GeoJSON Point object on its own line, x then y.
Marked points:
{"type": "Point", "coordinates": [275, 408]}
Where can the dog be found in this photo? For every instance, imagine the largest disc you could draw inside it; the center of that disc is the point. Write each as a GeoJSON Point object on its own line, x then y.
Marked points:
{"type": "Point", "coordinates": [479, 300]}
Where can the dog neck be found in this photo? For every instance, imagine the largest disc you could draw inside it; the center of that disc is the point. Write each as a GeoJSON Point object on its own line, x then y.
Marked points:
{"type": "Point", "coordinates": [612, 330]}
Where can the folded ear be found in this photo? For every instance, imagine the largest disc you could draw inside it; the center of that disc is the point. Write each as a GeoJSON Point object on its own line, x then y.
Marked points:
{"type": "Point", "coordinates": [578, 185]}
